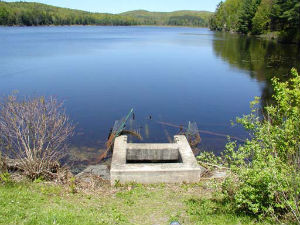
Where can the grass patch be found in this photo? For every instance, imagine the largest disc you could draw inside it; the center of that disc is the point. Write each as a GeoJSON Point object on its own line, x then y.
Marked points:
{"type": "Point", "coordinates": [46, 203]}
{"type": "Point", "coordinates": [209, 211]}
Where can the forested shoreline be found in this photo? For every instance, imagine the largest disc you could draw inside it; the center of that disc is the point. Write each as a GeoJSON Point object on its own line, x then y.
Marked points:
{"type": "Point", "coordinates": [37, 14]}
{"type": "Point", "coordinates": [274, 18]}
{"type": "Point", "coordinates": [270, 18]}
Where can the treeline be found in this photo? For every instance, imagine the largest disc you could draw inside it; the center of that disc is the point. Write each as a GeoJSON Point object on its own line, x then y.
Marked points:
{"type": "Point", "coordinates": [187, 21]}
{"type": "Point", "coordinates": [177, 18]}
{"type": "Point", "coordinates": [36, 14]}
{"type": "Point", "coordinates": [259, 17]}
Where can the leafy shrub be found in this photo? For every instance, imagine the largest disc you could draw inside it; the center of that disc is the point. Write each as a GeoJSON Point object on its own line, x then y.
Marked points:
{"type": "Point", "coordinates": [3, 166]}
{"type": "Point", "coordinates": [265, 170]}
{"type": "Point", "coordinates": [72, 185]}
{"type": "Point", "coordinates": [5, 178]}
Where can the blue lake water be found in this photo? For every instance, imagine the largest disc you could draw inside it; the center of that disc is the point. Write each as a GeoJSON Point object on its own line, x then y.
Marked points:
{"type": "Point", "coordinates": [175, 75]}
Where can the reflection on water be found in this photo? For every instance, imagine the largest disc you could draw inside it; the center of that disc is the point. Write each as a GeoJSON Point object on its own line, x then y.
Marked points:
{"type": "Point", "coordinates": [174, 75]}
{"type": "Point", "coordinates": [262, 59]}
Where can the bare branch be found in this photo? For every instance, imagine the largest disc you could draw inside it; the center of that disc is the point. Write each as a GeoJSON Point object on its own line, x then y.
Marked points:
{"type": "Point", "coordinates": [34, 130]}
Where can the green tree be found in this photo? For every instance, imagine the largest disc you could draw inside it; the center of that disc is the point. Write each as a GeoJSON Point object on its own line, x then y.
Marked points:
{"type": "Point", "coordinates": [231, 9]}
{"type": "Point", "coordinates": [259, 16]}
{"type": "Point", "coordinates": [217, 22]}
{"type": "Point", "coordinates": [4, 14]}
{"type": "Point", "coordinates": [261, 20]}
{"type": "Point", "coordinates": [285, 17]}
{"type": "Point", "coordinates": [285, 13]}
{"type": "Point", "coordinates": [246, 14]}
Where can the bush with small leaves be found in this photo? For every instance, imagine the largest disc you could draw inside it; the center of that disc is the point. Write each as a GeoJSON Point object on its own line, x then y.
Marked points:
{"type": "Point", "coordinates": [265, 170]}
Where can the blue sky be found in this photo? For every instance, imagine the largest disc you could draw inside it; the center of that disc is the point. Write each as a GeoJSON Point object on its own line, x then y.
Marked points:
{"type": "Point", "coordinates": [117, 6]}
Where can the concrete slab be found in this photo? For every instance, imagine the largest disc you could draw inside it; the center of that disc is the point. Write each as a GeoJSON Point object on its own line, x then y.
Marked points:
{"type": "Point", "coordinates": [183, 168]}
{"type": "Point", "coordinates": [98, 170]}
{"type": "Point", "coordinates": [154, 152]}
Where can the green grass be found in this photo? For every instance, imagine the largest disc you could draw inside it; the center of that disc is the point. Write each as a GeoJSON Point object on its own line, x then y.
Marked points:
{"type": "Point", "coordinates": [46, 203]}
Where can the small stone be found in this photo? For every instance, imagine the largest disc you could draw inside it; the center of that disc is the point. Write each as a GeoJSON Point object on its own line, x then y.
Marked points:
{"type": "Point", "coordinates": [175, 223]}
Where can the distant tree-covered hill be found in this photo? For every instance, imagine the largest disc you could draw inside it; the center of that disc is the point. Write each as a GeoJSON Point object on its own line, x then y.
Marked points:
{"type": "Point", "coordinates": [177, 18]}
{"type": "Point", "coordinates": [35, 14]}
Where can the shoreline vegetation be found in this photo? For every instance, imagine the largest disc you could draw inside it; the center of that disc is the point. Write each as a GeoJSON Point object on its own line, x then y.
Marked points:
{"type": "Point", "coordinates": [37, 14]}
{"type": "Point", "coordinates": [269, 19]}
{"type": "Point", "coordinates": [95, 25]}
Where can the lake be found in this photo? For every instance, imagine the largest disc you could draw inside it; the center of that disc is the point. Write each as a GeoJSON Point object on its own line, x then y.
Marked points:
{"type": "Point", "coordinates": [167, 74]}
